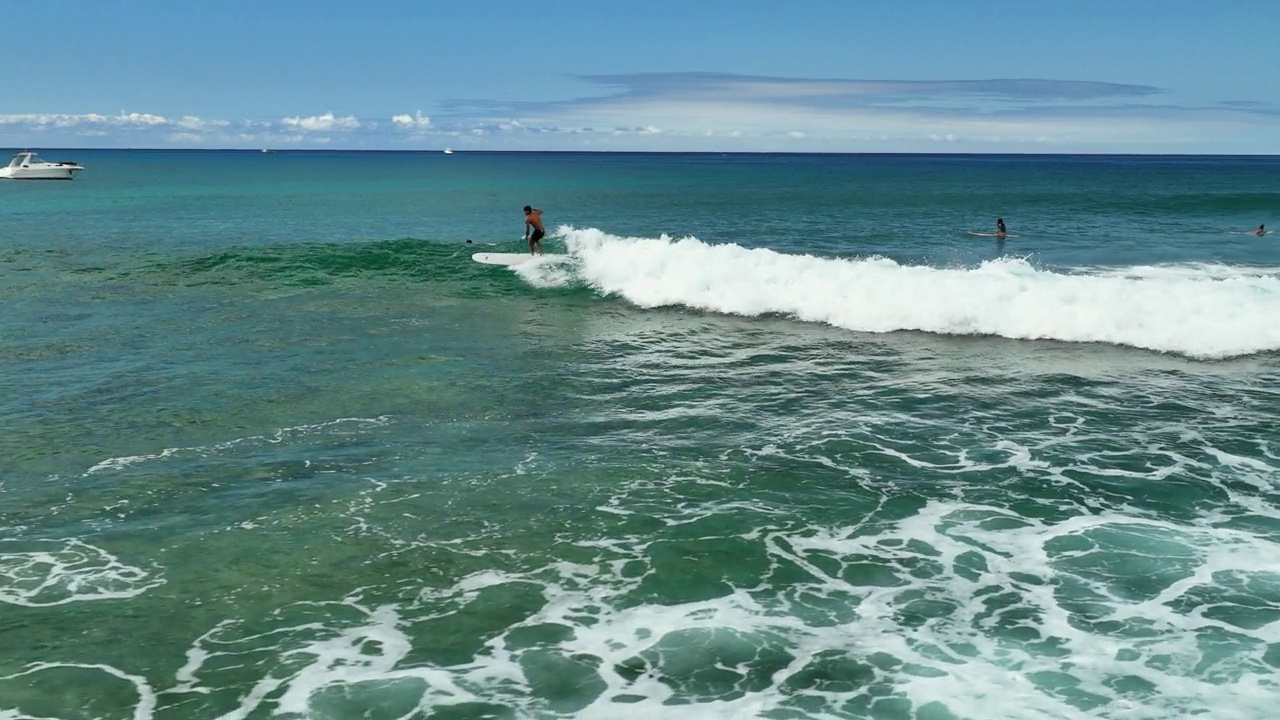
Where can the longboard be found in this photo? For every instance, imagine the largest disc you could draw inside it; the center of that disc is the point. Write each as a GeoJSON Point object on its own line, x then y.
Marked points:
{"type": "Point", "coordinates": [505, 258]}
{"type": "Point", "coordinates": [978, 234]}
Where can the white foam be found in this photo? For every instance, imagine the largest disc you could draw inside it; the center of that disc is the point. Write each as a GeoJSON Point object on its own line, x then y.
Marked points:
{"type": "Point", "coordinates": [37, 573]}
{"type": "Point", "coordinates": [354, 651]}
{"type": "Point", "coordinates": [546, 270]}
{"type": "Point", "coordinates": [143, 710]}
{"type": "Point", "coordinates": [1201, 311]}
{"type": "Point", "coordinates": [120, 463]}
{"type": "Point", "coordinates": [815, 645]}
{"type": "Point", "coordinates": [1027, 566]}
{"type": "Point", "coordinates": [281, 435]}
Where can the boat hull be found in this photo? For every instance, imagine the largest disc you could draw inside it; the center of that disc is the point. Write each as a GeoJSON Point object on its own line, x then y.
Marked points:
{"type": "Point", "coordinates": [47, 171]}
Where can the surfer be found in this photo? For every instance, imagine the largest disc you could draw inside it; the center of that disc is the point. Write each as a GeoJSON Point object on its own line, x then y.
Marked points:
{"type": "Point", "coordinates": [533, 221]}
{"type": "Point", "coordinates": [1262, 230]}
{"type": "Point", "coordinates": [1000, 229]}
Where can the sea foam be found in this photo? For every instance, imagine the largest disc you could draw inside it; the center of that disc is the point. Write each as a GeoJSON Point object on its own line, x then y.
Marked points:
{"type": "Point", "coordinates": [1200, 311]}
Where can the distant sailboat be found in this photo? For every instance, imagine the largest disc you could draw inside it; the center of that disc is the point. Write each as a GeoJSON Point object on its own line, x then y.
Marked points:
{"type": "Point", "coordinates": [447, 151]}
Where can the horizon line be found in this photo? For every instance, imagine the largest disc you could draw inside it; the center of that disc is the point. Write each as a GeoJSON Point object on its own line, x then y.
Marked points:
{"type": "Point", "coordinates": [441, 151]}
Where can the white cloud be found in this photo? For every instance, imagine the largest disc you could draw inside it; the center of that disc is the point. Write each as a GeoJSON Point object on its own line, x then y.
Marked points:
{"type": "Point", "coordinates": [145, 119]}
{"type": "Point", "coordinates": [195, 124]}
{"type": "Point", "coordinates": [722, 112]}
{"type": "Point", "coordinates": [187, 130]}
{"type": "Point", "coordinates": [60, 120]}
{"type": "Point", "coordinates": [322, 123]}
{"type": "Point", "coordinates": [417, 121]}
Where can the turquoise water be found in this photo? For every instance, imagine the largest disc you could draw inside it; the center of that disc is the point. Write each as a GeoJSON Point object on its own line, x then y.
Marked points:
{"type": "Point", "coordinates": [775, 438]}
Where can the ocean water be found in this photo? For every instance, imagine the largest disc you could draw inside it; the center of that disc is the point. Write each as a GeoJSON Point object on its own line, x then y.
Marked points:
{"type": "Point", "coordinates": [768, 436]}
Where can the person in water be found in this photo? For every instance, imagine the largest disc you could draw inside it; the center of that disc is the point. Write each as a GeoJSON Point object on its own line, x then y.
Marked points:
{"type": "Point", "coordinates": [1000, 228]}
{"type": "Point", "coordinates": [533, 221]}
{"type": "Point", "coordinates": [1262, 230]}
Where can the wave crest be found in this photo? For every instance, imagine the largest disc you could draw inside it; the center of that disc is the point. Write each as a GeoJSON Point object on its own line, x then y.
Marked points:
{"type": "Point", "coordinates": [1200, 311]}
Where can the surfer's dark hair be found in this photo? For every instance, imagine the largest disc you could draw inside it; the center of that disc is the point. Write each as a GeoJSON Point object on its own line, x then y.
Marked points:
{"type": "Point", "coordinates": [528, 208]}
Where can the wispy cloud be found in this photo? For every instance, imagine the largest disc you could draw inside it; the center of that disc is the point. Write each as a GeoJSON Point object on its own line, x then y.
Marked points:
{"type": "Point", "coordinates": [845, 92]}
{"type": "Point", "coordinates": [709, 90]}
{"type": "Point", "coordinates": [758, 112]}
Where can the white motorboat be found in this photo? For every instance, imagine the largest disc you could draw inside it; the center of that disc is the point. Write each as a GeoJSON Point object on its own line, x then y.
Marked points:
{"type": "Point", "coordinates": [28, 166]}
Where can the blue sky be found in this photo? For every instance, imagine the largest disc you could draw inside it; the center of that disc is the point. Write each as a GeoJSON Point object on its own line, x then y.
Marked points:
{"type": "Point", "coordinates": [1143, 76]}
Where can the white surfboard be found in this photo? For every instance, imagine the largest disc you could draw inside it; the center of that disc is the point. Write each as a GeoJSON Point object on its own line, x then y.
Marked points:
{"type": "Point", "coordinates": [503, 258]}
{"type": "Point", "coordinates": [978, 234]}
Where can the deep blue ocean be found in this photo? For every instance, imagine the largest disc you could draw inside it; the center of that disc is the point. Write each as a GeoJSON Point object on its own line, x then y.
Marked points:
{"type": "Point", "coordinates": [762, 436]}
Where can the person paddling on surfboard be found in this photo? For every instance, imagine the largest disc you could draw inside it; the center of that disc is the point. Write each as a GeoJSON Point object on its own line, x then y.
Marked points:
{"type": "Point", "coordinates": [1262, 230]}
{"type": "Point", "coordinates": [1000, 229]}
{"type": "Point", "coordinates": [533, 220]}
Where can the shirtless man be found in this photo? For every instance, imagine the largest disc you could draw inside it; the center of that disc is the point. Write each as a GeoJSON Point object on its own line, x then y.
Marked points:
{"type": "Point", "coordinates": [1262, 230]}
{"type": "Point", "coordinates": [1000, 230]}
{"type": "Point", "coordinates": [533, 220]}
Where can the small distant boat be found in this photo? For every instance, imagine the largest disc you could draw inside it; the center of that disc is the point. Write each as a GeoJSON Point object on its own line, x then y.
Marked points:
{"type": "Point", "coordinates": [28, 166]}
{"type": "Point", "coordinates": [447, 151]}
{"type": "Point", "coordinates": [267, 150]}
